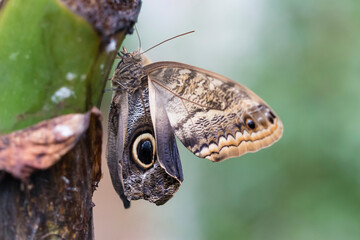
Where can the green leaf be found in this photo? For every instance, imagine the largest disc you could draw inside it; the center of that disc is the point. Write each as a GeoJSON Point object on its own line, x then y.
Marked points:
{"type": "Point", "coordinates": [51, 63]}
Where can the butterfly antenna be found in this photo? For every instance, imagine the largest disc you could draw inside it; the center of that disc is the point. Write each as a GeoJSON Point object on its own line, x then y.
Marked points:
{"type": "Point", "coordinates": [138, 35]}
{"type": "Point", "coordinates": [167, 40]}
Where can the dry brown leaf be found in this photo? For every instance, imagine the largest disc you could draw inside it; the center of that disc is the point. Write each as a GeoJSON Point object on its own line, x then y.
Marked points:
{"type": "Point", "coordinates": [42, 145]}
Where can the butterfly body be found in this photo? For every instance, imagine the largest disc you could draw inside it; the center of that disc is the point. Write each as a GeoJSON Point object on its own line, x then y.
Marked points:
{"type": "Point", "coordinates": [213, 116]}
{"type": "Point", "coordinates": [129, 73]}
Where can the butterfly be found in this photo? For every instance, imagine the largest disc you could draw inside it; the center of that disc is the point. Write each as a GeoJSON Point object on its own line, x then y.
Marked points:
{"type": "Point", "coordinates": [213, 116]}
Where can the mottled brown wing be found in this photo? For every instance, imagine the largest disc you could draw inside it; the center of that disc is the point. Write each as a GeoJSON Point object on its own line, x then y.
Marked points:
{"type": "Point", "coordinates": [118, 119]}
{"type": "Point", "coordinates": [213, 116]}
{"type": "Point", "coordinates": [133, 141]}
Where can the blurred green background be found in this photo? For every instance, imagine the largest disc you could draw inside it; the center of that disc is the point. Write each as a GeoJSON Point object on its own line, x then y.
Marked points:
{"type": "Point", "coordinates": [303, 58]}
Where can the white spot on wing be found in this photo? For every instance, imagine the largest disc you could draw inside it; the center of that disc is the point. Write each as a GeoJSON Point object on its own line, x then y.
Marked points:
{"type": "Point", "coordinates": [184, 71]}
{"type": "Point", "coordinates": [211, 86]}
{"type": "Point", "coordinates": [246, 135]}
{"type": "Point", "coordinates": [222, 141]}
{"type": "Point", "coordinates": [213, 147]}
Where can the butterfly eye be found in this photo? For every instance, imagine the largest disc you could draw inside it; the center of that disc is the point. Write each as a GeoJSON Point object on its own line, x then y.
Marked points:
{"type": "Point", "coordinates": [250, 123]}
{"type": "Point", "coordinates": [143, 150]}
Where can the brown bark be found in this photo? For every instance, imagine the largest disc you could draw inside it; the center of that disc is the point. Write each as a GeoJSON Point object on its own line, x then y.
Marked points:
{"type": "Point", "coordinates": [55, 203]}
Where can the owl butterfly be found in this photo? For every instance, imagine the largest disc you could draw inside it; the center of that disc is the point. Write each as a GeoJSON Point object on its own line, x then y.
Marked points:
{"type": "Point", "coordinates": [213, 116]}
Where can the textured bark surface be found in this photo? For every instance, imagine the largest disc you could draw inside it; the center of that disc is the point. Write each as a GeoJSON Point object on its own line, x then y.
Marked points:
{"type": "Point", "coordinates": [107, 16]}
{"type": "Point", "coordinates": [55, 203]}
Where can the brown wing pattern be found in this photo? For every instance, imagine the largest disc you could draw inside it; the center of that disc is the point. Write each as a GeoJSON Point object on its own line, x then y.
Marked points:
{"type": "Point", "coordinates": [129, 119]}
{"type": "Point", "coordinates": [213, 116]}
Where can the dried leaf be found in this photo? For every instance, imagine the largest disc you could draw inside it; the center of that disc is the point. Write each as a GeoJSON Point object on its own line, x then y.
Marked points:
{"type": "Point", "coordinates": [42, 145]}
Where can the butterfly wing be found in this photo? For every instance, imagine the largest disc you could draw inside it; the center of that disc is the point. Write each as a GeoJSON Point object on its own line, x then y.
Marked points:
{"type": "Point", "coordinates": [144, 161]}
{"type": "Point", "coordinates": [117, 125]}
{"type": "Point", "coordinates": [213, 116]}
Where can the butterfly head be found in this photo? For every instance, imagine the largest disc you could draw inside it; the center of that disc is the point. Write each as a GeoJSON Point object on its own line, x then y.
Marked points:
{"type": "Point", "coordinates": [129, 72]}
{"type": "Point", "coordinates": [130, 57]}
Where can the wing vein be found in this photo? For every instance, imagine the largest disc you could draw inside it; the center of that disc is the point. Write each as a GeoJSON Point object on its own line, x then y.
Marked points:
{"type": "Point", "coordinates": [195, 103]}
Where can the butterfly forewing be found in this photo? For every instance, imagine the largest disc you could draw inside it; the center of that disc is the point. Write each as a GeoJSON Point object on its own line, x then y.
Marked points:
{"type": "Point", "coordinates": [213, 116]}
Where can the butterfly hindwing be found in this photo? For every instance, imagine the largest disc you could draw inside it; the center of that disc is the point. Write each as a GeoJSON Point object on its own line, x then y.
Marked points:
{"type": "Point", "coordinates": [139, 166]}
{"type": "Point", "coordinates": [213, 116]}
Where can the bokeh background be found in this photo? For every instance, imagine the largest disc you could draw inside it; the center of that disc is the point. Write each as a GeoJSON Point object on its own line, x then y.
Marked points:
{"type": "Point", "coordinates": [303, 58]}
